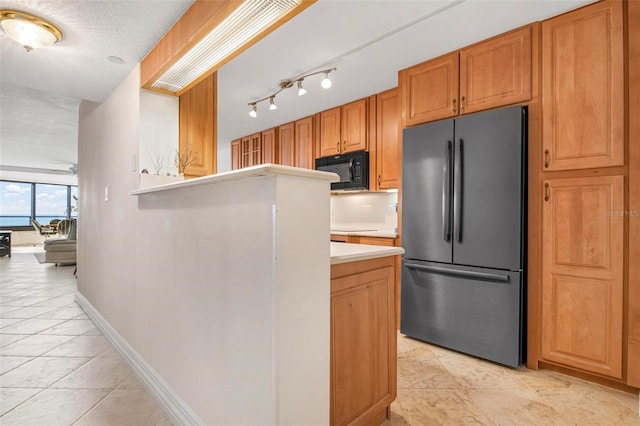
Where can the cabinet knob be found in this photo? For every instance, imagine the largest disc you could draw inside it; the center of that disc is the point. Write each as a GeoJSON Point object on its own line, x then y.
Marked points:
{"type": "Point", "coordinates": [338, 146]}
{"type": "Point", "coordinates": [344, 146]}
{"type": "Point", "coordinates": [453, 106]}
{"type": "Point", "coordinates": [462, 104]}
{"type": "Point", "coordinates": [546, 158]}
{"type": "Point", "coordinates": [379, 179]}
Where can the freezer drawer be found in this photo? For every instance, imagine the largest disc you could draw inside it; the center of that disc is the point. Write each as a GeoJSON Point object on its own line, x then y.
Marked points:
{"type": "Point", "coordinates": [472, 310]}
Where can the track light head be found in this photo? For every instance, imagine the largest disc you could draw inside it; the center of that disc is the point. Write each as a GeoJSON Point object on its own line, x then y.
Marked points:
{"type": "Point", "coordinates": [272, 103]}
{"type": "Point", "coordinates": [301, 90]}
{"type": "Point", "coordinates": [254, 110]}
{"type": "Point", "coordinates": [326, 83]}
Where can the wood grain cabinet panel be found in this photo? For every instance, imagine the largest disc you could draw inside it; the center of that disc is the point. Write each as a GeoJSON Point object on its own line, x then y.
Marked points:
{"type": "Point", "coordinates": [430, 90]}
{"type": "Point", "coordinates": [583, 88]}
{"type": "Point", "coordinates": [286, 145]}
{"type": "Point", "coordinates": [582, 281]}
{"type": "Point", "coordinates": [363, 341]}
{"type": "Point", "coordinates": [236, 149]}
{"type": "Point", "coordinates": [496, 72]}
{"type": "Point", "coordinates": [251, 150]}
{"type": "Point", "coordinates": [197, 110]}
{"type": "Point", "coordinates": [269, 145]}
{"type": "Point", "coordinates": [304, 143]}
{"type": "Point", "coordinates": [388, 152]}
{"type": "Point", "coordinates": [330, 141]}
{"type": "Point", "coordinates": [353, 128]}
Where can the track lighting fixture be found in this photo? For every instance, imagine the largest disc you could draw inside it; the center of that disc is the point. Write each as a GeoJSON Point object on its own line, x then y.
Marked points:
{"type": "Point", "coordinates": [285, 84]}
{"type": "Point", "coordinates": [301, 90]}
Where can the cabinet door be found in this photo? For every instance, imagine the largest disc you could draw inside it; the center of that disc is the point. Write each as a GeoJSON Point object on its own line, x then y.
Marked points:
{"type": "Point", "coordinates": [269, 146]}
{"type": "Point", "coordinates": [255, 149]}
{"type": "Point", "coordinates": [363, 358]}
{"type": "Point", "coordinates": [354, 126]}
{"type": "Point", "coordinates": [583, 88]}
{"type": "Point", "coordinates": [496, 72]}
{"type": "Point", "coordinates": [330, 132]}
{"type": "Point", "coordinates": [245, 152]}
{"type": "Point", "coordinates": [196, 120]}
{"type": "Point", "coordinates": [235, 154]}
{"type": "Point", "coordinates": [286, 145]}
{"type": "Point", "coordinates": [388, 160]}
{"type": "Point", "coordinates": [430, 90]}
{"type": "Point", "coordinates": [304, 149]}
{"type": "Point", "coordinates": [582, 267]}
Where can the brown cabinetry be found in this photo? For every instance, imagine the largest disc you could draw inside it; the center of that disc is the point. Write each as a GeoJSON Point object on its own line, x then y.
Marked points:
{"type": "Point", "coordinates": [583, 88]}
{"type": "Point", "coordinates": [582, 290]}
{"type": "Point", "coordinates": [304, 136]}
{"type": "Point", "coordinates": [251, 150]}
{"type": "Point", "coordinates": [388, 150]}
{"type": "Point", "coordinates": [493, 73]}
{"type": "Point", "coordinates": [344, 129]}
{"type": "Point", "coordinates": [286, 142]}
{"type": "Point", "coordinates": [236, 163]}
{"type": "Point", "coordinates": [269, 145]}
{"type": "Point", "coordinates": [197, 140]}
{"type": "Point", "coordinates": [363, 341]}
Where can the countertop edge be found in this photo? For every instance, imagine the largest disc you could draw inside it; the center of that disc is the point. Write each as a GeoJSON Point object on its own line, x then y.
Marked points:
{"type": "Point", "coordinates": [234, 175]}
{"type": "Point", "coordinates": [345, 253]}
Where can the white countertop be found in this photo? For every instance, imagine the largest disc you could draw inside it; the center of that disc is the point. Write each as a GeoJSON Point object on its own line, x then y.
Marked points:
{"type": "Point", "coordinates": [344, 252]}
{"type": "Point", "coordinates": [244, 173]}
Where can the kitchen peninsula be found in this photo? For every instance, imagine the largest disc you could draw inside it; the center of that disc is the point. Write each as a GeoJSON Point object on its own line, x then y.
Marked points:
{"type": "Point", "coordinates": [269, 322]}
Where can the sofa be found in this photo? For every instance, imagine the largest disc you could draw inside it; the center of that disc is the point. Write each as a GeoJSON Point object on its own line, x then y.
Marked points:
{"type": "Point", "coordinates": [62, 250]}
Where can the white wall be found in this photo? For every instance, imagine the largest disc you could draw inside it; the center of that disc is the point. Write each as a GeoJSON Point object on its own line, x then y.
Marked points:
{"type": "Point", "coordinates": [224, 155]}
{"type": "Point", "coordinates": [194, 280]}
{"type": "Point", "coordinates": [159, 131]}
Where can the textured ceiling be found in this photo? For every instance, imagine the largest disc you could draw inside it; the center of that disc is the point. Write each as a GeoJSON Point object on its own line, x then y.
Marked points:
{"type": "Point", "coordinates": [368, 40]}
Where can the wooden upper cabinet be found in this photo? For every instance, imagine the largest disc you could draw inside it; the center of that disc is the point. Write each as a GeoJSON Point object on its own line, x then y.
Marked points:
{"type": "Point", "coordinates": [269, 144]}
{"type": "Point", "coordinates": [582, 271]}
{"type": "Point", "coordinates": [353, 127]}
{"type": "Point", "coordinates": [344, 129]}
{"type": "Point", "coordinates": [286, 145]}
{"type": "Point", "coordinates": [388, 153]}
{"type": "Point", "coordinates": [583, 88]}
{"type": "Point", "coordinates": [429, 90]}
{"type": "Point", "coordinates": [197, 111]}
{"type": "Point", "coordinates": [236, 149]}
{"type": "Point", "coordinates": [330, 141]}
{"type": "Point", "coordinates": [304, 143]}
{"type": "Point", "coordinates": [496, 72]}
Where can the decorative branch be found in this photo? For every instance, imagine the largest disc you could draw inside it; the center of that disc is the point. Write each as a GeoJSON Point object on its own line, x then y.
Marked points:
{"type": "Point", "coordinates": [158, 160]}
{"type": "Point", "coordinates": [185, 158]}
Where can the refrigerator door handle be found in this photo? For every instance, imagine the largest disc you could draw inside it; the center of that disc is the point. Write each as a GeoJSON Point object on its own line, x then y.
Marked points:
{"type": "Point", "coordinates": [446, 191]}
{"type": "Point", "coordinates": [447, 271]}
{"type": "Point", "coordinates": [458, 190]}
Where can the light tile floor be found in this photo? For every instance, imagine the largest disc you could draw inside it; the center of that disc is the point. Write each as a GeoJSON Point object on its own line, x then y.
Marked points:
{"type": "Point", "coordinates": [57, 369]}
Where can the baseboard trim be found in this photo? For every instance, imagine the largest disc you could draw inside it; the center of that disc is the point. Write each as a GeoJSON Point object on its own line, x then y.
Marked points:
{"type": "Point", "coordinates": [168, 399]}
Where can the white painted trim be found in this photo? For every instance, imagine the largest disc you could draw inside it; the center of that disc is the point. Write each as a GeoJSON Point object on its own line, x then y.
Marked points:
{"type": "Point", "coordinates": [168, 399]}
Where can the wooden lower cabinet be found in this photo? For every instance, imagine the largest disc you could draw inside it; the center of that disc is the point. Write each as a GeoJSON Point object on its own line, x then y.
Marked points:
{"type": "Point", "coordinates": [582, 273]}
{"type": "Point", "coordinates": [363, 341]}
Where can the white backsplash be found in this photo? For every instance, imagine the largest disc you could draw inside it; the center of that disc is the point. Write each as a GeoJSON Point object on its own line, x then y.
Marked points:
{"type": "Point", "coordinates": [365, 210]}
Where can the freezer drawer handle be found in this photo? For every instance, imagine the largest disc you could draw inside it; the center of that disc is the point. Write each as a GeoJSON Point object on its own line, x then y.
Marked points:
{"type": "Point", "coordinates": [470, 274]}
{"type": "Point", "coordinates": [446, 191]}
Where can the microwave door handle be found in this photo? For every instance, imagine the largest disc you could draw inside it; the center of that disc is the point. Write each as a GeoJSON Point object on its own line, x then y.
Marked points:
{"type": "Point", "coordinates": [351, 170]}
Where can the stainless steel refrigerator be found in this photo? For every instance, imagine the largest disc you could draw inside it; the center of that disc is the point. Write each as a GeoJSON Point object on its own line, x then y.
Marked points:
{"type": "Point", "coordinates": [463, 231]}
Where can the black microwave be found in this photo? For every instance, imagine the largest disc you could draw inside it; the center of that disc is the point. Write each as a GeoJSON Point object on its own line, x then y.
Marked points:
{"type": "Point", "coordinates": [352, 168]}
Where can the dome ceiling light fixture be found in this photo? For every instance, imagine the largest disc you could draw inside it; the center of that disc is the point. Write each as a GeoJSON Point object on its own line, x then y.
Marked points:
{"type": "Point", "coordinates": [29, 30]}
{"type": "Point", "coordinates": [286, 84]}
